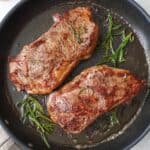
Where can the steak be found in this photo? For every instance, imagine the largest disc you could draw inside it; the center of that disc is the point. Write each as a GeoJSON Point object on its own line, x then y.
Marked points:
{"type": "Point", "coordinates": [42, 65]}
{"type": "Point", "coordinates": [89, 95]}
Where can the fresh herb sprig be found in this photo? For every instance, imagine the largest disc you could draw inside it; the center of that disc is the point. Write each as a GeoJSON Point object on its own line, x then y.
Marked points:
{"type": "Point", "coordinates": [115, 56]}
{"type": "Point", "coordinates": [33, 113]}
{"type": "Point", "coordinates": [107, 44]}
{"type": "Point", "coordinates": [113, 118]}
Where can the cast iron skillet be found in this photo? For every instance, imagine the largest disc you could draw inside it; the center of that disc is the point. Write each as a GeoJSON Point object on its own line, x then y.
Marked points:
{"type": "Point", "coordinates": [26, 22]}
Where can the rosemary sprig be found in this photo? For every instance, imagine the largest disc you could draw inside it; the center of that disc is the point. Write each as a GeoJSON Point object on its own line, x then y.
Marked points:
{"type": "Point", "coordinates": [107, 44]}
{"type": "Point", "coordinates": [113, 118]}
{"type": "Point", "coordinates": [78, 32]}
{"type": "Point", "coordinates": [33, 113]}
{"type": "Point", "coordinates": [116, 56]}
{"type": "Point", "coordinates": [77, 35]}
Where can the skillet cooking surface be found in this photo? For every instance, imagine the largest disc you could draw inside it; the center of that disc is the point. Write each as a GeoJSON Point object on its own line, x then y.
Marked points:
{"type": "Point", "coordinates": [29, 21]}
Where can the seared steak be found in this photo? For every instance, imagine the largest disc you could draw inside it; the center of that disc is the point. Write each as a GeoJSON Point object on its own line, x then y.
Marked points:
{"type": "Point", "coordinates": [42, 65]}
{"type": "Point", "coordinates": [95, 91]}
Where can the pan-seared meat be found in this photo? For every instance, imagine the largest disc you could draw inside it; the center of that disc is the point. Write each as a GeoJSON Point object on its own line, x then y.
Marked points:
{"type": "Point", "coordinates": [42, 65]}
{"type": "Point", "coordinates": [95, 91]}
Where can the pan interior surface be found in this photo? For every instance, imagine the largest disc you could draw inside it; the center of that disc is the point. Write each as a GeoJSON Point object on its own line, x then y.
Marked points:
{"type": "Point", "coordinates": [32, 19]}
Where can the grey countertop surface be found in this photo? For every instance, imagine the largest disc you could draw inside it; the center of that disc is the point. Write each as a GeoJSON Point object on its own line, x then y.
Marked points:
{"type": "Point", "coordinates": [6, 142]}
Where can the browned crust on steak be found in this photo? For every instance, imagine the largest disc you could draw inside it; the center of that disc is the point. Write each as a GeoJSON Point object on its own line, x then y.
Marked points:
{"type": "Point", "coordinates": [93, 92]}
{"type": "Point", "coordinates": [42, 65]}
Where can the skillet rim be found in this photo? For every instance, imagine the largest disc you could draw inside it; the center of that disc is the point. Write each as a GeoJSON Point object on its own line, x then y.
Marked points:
{"type": "Point", "coordinates": [2, 25]}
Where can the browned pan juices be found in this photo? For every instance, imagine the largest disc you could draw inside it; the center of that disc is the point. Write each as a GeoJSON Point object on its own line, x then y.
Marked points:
{"type": "Point", "coordinates": [135, 62]}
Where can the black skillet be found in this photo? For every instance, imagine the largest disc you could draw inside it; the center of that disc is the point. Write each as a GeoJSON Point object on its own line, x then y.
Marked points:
{"type": "Point", "coordinates": [26, 22]}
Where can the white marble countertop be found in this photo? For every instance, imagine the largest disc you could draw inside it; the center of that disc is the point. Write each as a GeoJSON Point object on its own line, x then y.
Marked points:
{"type": "Point", "coordinates": [6, 143]}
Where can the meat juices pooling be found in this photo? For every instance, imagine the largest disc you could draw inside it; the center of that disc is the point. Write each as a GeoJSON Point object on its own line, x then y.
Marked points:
{"type": "Point", "coordinates": [42, 65]}
{"type": "Point", "coordinates": [93, 92]}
